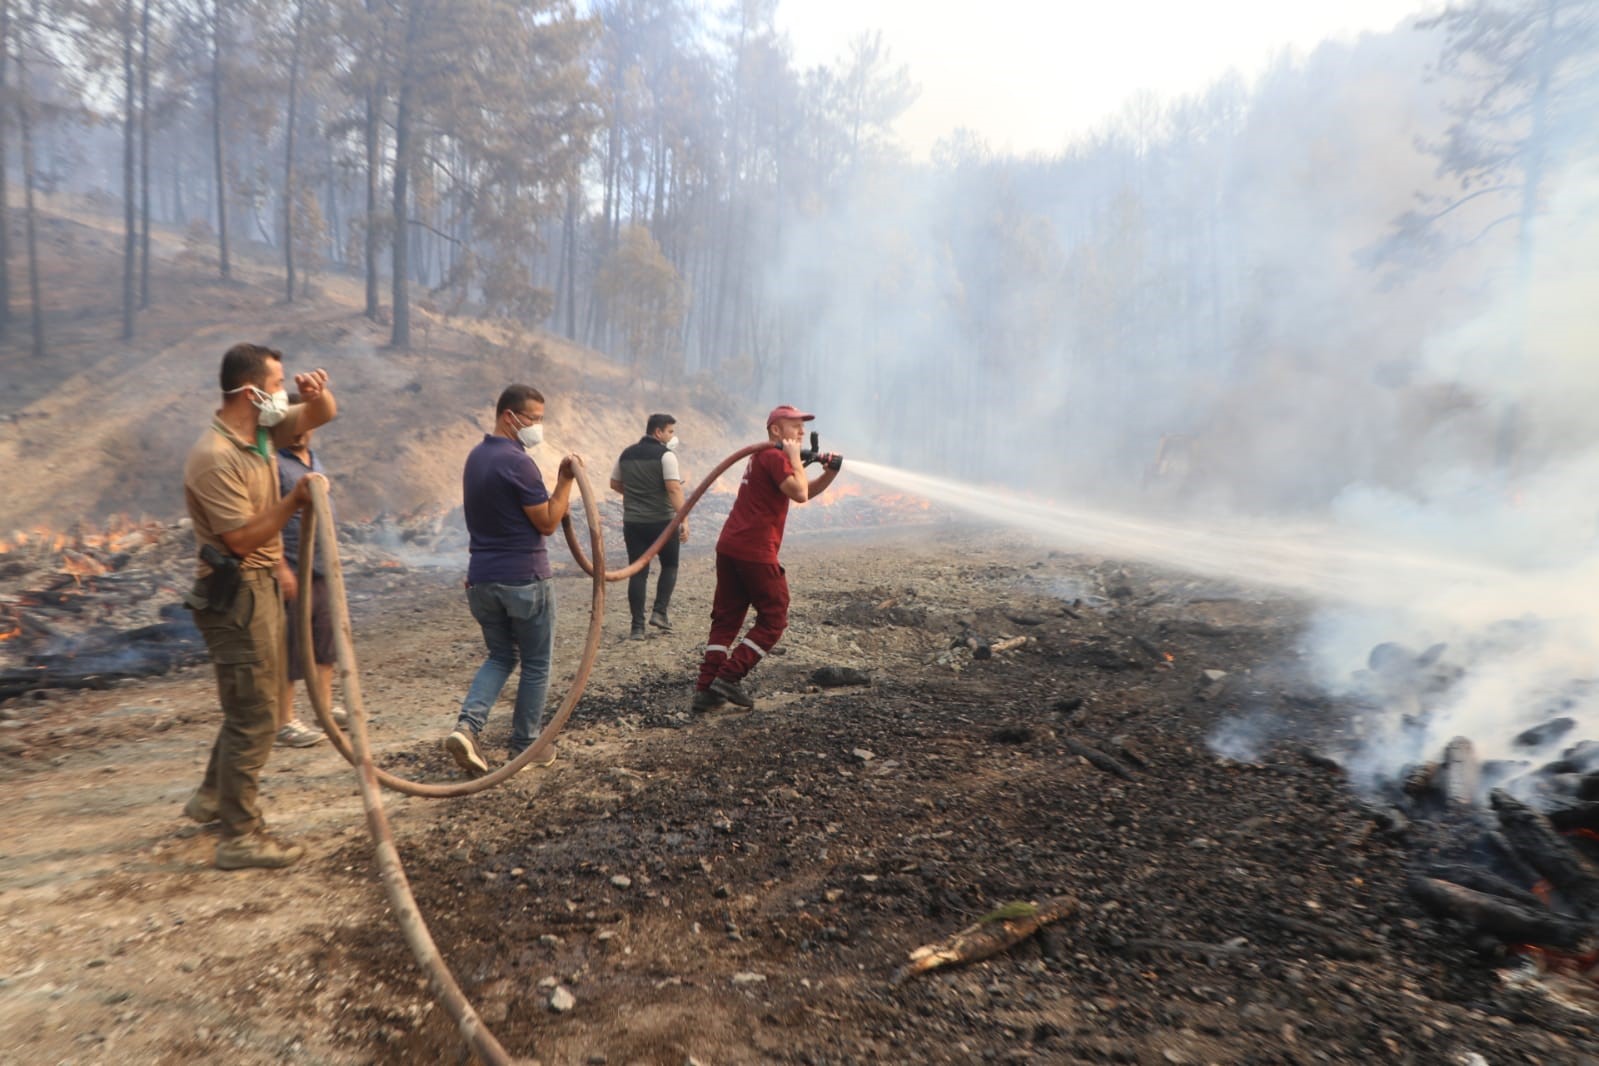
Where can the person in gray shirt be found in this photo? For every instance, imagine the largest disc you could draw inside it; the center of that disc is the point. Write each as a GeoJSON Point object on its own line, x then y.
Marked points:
{"type": "Point", "coordinates": [647, 476]}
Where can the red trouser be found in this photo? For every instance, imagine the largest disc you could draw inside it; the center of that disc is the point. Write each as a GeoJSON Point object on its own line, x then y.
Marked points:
{"type": "Point", "coordinates": [741, 585]}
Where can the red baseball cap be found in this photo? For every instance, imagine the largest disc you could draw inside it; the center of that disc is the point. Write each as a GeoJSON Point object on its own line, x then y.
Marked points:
{"type": "Point", "coordinates": [787, 411]}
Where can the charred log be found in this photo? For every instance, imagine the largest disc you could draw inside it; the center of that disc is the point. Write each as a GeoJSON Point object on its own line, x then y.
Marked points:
{"type": "Point", "coordinates": [1320, 761]}
{"type": "Point", "coordinates": [1460, 776]}
{"type": "Point", "coordinates": [1545, 850]}
{"type": "Point", "coordinates": [839, 676]}
{"type": "Point", "coordinates": [1576, 816]}
{"type": "Point", "coordinates": [1098, 758]}
{"type": "Point", "coordinates": [1503, 854]}
{"type": "Point", "coordinates": [1511, 922]}
{"type": "Point", "coordinates": [1549, 731]}
{"type": "Point", "coordinates": [1419, 780]}
{"type": "Point", "coordinates": [1337, 944]}
{"type": "Point", "coordinates": [1480, 880]}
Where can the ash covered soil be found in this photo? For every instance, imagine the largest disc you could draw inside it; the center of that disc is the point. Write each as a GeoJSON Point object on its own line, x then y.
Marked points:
{"type": "Point", "coordinates": [739, 888]}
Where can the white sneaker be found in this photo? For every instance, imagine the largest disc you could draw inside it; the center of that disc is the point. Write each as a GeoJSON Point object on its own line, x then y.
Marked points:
{"type": "Point", "coordinates": [299, 735]}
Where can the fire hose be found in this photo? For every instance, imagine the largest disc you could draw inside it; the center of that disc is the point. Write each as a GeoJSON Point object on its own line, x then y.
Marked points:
{"type": "Point", "coordinates": [317, 529]}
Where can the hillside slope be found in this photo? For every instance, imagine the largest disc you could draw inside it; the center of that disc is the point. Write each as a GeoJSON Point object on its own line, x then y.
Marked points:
{"type": "Point", "coordinates": [99, 428]}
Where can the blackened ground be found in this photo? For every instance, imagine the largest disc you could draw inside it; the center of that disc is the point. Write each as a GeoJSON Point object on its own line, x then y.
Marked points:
{"type": "Point", "coordinates": [739, 888]}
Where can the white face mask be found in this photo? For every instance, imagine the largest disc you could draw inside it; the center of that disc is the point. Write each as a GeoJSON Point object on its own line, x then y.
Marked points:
{"type": "Point", "coordinates": [271, 407]}
{"type": "Point", "coordinates": [530, 436]}
{"type": "Point", "coordinates": [671, 445]}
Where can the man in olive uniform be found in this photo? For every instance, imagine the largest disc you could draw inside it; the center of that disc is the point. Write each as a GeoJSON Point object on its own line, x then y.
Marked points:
{"type": "Point", "coordinates": [230, 485]}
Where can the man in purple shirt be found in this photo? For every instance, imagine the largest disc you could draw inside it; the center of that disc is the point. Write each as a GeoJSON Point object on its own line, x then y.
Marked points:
{"type": "Point", "coordinates": [509, 513]}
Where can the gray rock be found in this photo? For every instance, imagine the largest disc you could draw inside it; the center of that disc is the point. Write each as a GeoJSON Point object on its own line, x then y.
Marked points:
{"type": "Point", "coordinates": [562, 1000]}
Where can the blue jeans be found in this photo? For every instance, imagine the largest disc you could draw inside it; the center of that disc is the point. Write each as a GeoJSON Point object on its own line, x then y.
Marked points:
{"type": "Point", "coordinates": [518, 623]}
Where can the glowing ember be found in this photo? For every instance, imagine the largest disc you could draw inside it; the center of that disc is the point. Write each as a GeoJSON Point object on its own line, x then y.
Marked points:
{"type": "Point", "coordinates": [1551, 960]}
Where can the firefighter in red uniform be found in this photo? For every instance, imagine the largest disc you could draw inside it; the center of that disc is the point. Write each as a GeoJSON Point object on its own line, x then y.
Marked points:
{"type": "Point", "coordinates": [747, 571]}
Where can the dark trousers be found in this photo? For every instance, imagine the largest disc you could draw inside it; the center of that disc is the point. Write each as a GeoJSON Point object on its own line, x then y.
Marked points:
{"type": "Point", "coordinates": [639, 536]}
{"type": "Point", "coordinates": [246, 645]}
{"type": "Point", "coordinates": [322, 645]}
{"type": "Point", "coordinates": [741, 585]}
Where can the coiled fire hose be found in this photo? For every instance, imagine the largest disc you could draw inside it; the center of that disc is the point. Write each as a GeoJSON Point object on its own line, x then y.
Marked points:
{"type": "Point", "coordinates": [317, 529]}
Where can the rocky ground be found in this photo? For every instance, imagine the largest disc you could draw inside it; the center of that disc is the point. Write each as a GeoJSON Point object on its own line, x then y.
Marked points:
{"type": "Point", "coordinates": [740, 888]}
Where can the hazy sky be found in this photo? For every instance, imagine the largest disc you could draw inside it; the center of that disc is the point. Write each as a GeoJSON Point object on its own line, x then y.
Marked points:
{"type": "Point", "coordinates": [1028, 75]}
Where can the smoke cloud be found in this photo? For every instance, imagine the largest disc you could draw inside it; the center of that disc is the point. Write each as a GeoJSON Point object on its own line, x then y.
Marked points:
{"type": "Point", "coordinates": [1179, 336]}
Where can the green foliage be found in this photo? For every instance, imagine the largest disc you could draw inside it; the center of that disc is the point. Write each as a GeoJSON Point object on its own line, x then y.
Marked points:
{"type": "Point", "coordinates": [1006, 912]}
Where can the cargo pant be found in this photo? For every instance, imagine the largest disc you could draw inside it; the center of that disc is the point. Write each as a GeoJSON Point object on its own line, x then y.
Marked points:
{"type": "Point", "coordinates": [246, 645]}
{"type": "Point", "coordinates": [740, 585]}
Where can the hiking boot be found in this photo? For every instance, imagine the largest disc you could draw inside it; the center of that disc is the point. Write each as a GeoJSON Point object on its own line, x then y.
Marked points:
{"type": "Point", "coordinates": [733, 692]}
{"type": "Point", "coordinates": [659, 620]}
{"type": "Point", "coordinates": [256, 850]}
{"type": "Point", "coordinates": [201, 807]}
{"type": "Point", "coordinates": [638, 632]}
{"type": "Point", "coordinates": [706, 700]}
{"type": "Point", "coordinates": [462, 746]}
{"type": "Point", "coordinates": [299, 735]}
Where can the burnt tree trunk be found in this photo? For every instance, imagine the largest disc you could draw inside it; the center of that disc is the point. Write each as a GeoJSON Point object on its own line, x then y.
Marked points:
{"type": "Point", "coordinates": [288, 155]}
{"type": "Point", "coordinates": [130, 238]}
{"type": "Point", "coordinates": [400, 336]}
{"type": "Point", "coordinates": [144, 156]}
{"type": "Point", "coordinates": [30, 213]}
{"type": "Point", "coordinates": [218, 150]}
{"type": "Point", "coordinates": [371, 234]}
{"type": "Point", "coordinates": [5, 207]}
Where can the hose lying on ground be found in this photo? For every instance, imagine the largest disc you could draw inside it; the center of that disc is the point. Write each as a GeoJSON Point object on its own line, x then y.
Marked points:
{"type": "Point", "coordinates": [317, 527]}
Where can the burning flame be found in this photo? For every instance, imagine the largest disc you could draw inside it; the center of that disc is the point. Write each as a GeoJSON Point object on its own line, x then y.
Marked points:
{"type": "Point", "coordinates": [81, 566]}
{"type": "Point", "coordinates": [120, 534]}
{"type": "Point", "coordinates": [14, 631]}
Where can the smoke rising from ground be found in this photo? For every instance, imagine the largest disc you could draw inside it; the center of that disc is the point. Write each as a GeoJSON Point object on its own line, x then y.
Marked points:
{"type": "Point", "coordinates": [1183, 330]}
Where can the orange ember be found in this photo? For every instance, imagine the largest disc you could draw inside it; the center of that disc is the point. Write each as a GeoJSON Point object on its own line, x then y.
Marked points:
{"type": "Point", "coordinates": [1552, 960]}
{"type": "Point", "coordinates": [81, 566]}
